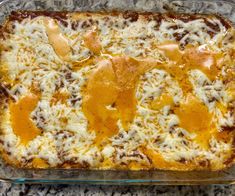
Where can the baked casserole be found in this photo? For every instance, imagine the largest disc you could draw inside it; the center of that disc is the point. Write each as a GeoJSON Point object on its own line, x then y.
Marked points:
{"type": "Point", "coordinates": [115, 90]}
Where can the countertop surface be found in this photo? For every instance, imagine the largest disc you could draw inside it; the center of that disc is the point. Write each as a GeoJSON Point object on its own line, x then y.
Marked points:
{"type": "Point", "coordinates": [212, 190]}
{"type": "Point", "coordinates": [15, 190]}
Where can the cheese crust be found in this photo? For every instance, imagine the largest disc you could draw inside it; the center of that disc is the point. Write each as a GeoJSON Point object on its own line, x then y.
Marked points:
{"type": "Point", "coordinates": [129, 90]}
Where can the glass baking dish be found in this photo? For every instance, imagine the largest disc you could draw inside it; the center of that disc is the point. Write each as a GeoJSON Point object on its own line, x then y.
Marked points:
{"type": "Point", "coordinates": [64, 176]}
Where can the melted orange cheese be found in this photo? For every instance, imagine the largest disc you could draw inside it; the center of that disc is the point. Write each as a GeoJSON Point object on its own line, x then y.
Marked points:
{"type": "Point", "coordinates": [190, 58]}
{"type": "Point", "coordinates": [92, 42]}
{"type": "Point", "coordinates": [178, 68]}
{"type": "Point", "coordinates": [159, 162]}
{"type": "Point", "coordinates": [162, 101]}
{"type": "Point", "coordinates": [57, 39]}
{"type": "Point", "coordinates": [126, 72]}
{"type": "Point", "coordinates": [171, 50]}
{"type": "Point", "coordinates": [82, 63]}
{"type": "Point", "coordinates": [21, 122]}
{"type": "Point", "coordinates": [134, 165]}
{"type": "Point", "coordinates": [205, 61]}
{"type": "Point", "coordinates": [113, 84]}
{"type": "Point", "coordinates": [39, 163]}
{"type": "Point", "coordinates": [101, 92]}
{"type": "Point", "coordinates": [195, 118]}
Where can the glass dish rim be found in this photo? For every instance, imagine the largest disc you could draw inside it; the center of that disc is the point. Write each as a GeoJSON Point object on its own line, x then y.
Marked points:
{"type": "Point", "coordinates": [123, 181]}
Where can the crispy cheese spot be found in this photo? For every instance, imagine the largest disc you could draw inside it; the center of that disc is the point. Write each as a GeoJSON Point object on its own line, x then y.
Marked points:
{"type": "Point", "coordinates": [57, 39]}
{"type": "Point", "coordinates": [21, 122]}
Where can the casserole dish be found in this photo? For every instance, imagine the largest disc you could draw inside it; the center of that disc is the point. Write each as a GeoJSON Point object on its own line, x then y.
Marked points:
{"type": "Point", "coordinates": [85, 176]}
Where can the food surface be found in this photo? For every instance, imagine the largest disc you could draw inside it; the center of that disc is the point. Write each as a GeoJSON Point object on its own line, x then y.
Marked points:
{"type": "Point", "coordinates": [117, 91]}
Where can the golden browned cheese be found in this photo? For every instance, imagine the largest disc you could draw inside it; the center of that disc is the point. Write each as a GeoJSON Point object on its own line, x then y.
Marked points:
{"type": "Point", "coordinates": [56, 39]}
{"type": "Point", "coordinates": [21, 122]}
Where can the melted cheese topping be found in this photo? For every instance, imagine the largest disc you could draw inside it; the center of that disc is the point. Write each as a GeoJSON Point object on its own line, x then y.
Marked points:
{"type": "Point", "coordinates": [91, 41]}
{"type": "Point", "coordinates": [162, 101]}
{"type": "Point", "coordinates": [101, 92]}
{"type": "Point", "coordinates": [118, 93]}
{"type": "Point", "coordinates": [56, 39]}
{"type": "Point", "coordinates": [22, 124]}
{"type": "Point", "coordinates": [200, 119]}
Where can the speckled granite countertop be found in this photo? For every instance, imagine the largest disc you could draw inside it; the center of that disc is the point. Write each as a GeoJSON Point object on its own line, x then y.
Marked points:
{"type": "Point", "coordinates": [59, 190]}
